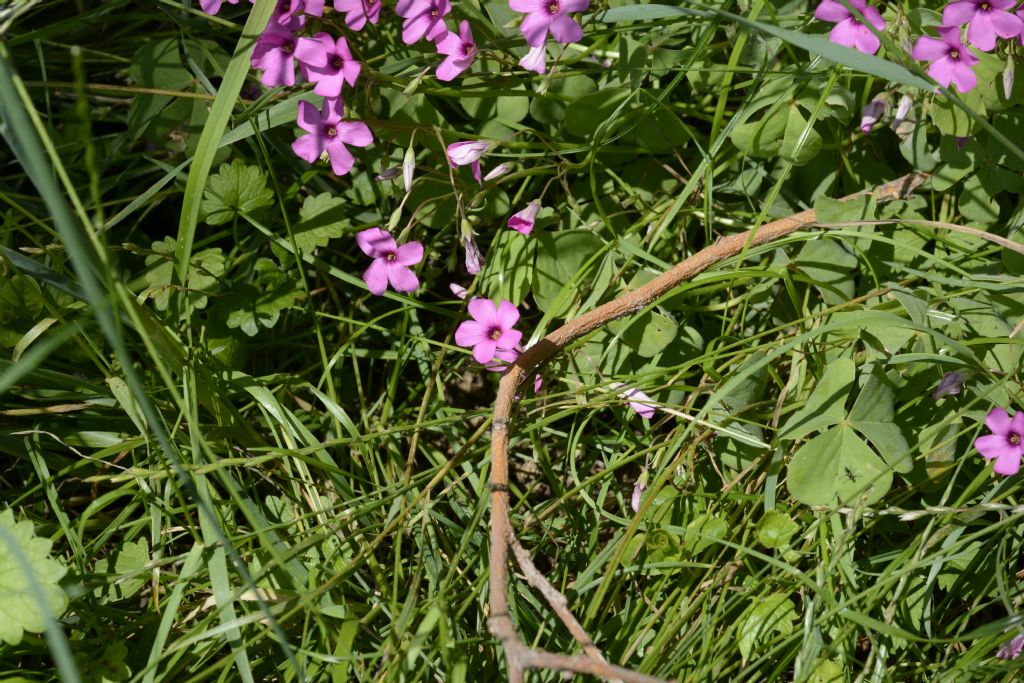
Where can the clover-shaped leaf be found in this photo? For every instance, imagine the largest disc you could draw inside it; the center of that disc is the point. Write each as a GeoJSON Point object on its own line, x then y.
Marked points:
{"type": "Point", "coordinates": [21, 592]}
{"type": "Point", "coordinates": [321, 219]}
{"type": "Point", "coordinates": [206, 271]}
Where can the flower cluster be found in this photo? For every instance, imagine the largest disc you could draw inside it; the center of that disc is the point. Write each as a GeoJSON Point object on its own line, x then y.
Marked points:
{"type": "Point", "coordinates": [857, 25]}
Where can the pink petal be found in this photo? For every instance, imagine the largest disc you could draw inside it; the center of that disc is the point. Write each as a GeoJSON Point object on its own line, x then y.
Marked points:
{"type": "Point", "coordinates": [376, 276]}
{"type": "Point", "coordinates": [845, 33]}
{"type": "Point", "coordinates": [991, 446]}
{"type": "Point", "coordinates": [509, 338]}
{"type": "Point", "coordinates": [450, 68]}
{"type": "Point", "coordinates": [506, 316]}
{"type": "Point", "coordinates": [351, 71]}
{"type": "Point", "coordinates": [980, 32]}
{"type": "Point", "coordinates": [566, 30]}
{"type": "Point", "coordinates": [341, 159]}
{"type": "Point", "coordinates": [535, 28]}
{"type": "Point", "coordinates": [312, 51]}
{"type": "Point", "coordinates": [450, 44]}
{"type": "Point", "coordinates": [308, 147]}
{"type": "Point", "coordinates": [1007, 464]}
{"type": "Point", "coordinates": [929, 49]}
{"type": "Point", "coordinates": [959, 13]}
{"type": "Point", "coordinates": [484, 312]}
{"type": "Point", "coordinates": [942, 71]}
{"type": "Point", "coordinates": [964, 77]}
{"type": "Point", "coordinates": [437, 29]}
{"type": "Point", "coordinates": [476, 172]}
{"type": "Point", "coordinates": [328, 84]}
{"type": "Point", "coordinates": [866, 41]}
{"type": "Point", "coordinates": [406, 8]}
{"type": "Point", "coordinates": [354, 133]}
{"type": "Point", "coordinates": [1007, 25]}
{"type": "Point", "coordinates": [334, 108]}
{"type": "Point", "coordinates": [465, 32]}
{"type": "Point", "coordinates": [874, 18]}
{"type": "Point", "coordinates": [409, 254]}
{"type": "Point", "coordinates": [831, 11]}
{"type": "Point", "coordinates": [375, 242]}
{"type": "Point", "coordinates": [402, 278]}
{"type": "Point", "coordinates": [415, 28]}
{"type": "Point", "coordinates": [525, 6]}
{"type": "Point", "coordinates": [574, 5]}
{"type": "Point", "coordinates": [484, 351]}
{"type": "Point", "coordinates": [534, 59]}
{"type": "Point", "coordinates": [309, 117]}
{"type": "Point", "coordinates": [1017, 423]}
{"type": "Point", "coordinates": [471, 333]}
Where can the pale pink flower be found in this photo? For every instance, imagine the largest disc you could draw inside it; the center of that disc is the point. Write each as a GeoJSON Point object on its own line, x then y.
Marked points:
{"type": "Point", "coordinates": [498, 171]}
{"type": "Point", "coordinates": [274, 53]}
{"type": "Point", "coordinates": [951, 61]}
{"type": "Point", "coordinates": [848, 30]}
{"type": "Point", "coordinates": [423, 19]}
{"type": "Point", "coordinates": [985, 20]}
{"type": "Point", "coordinates": [522, 222]}
{"type": "Point", "coordinates": [534, 59]}
{"type": "Point", "coordinates": [490, 329]}
{"type": "Point", "coordinates": [642, 404]}
{"type": "Point", "coordinates": [1005, 444]}
{"type": "Point", "coordinates": [328, 133]}
{"type": "Point", "coordinates": [474, 259]}
{"type": "Point", "coordinates": [549, 15]}
{"type": "Point", "coordinates": [358, 12]}
{"type": "Point", "coordinates": [458, 290]}
{"type": "Point", "coordinates": [468, 153]}
{"type": "Point", "coordinates": [328, 63]}
{"type": "Point", "coordinates": [390, 261]}
{"type": "Point", "coordinates": [638, 490]}
{"type": "Point", "coordinates": [460, 49]}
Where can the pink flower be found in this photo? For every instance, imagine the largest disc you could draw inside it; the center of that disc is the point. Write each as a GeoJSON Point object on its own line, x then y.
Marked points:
{"type": "Point", "coordinates": [848, 30]}
{"type": "Point", "coordinates": [490, 329]}
{"type": "Point", "coordinates": [328, 63]}
{"type": "Point", "coordinates": [423, 18]}
{"type": "Point", "coordinates": [357, 12]}
{"type": "Point", "coordinates": [390, 261]}
{"type": "Point", "coordinates": [328, 133]}
{"type": "Point", "coordinates": [1011, 649]}
{"type": "Point", "coordinates": [1005, 444]}
{"type": "Point", "coordinates": [951, 62]}
{"type": "Point", "coordinates": [638, 489]}
{"type": "Point", "coordinates": [985, 20]}
{"type": "Point", "coordinates": [458, 290]}
{"type": "Point", "coordinates": [522, 222]}
{"type": "Point", "coordinates": [869, 117]}
{"type": "Point", "coordinates": [460, 50]}
{"type": "Point", "coordinates": [534, 59]}
{"type": "Point", "coordinates": [468, 152]}
{"type": "Point", "coordinates": [641, 403]}
{"type": "Point", "coordinates": [289, 10]}
{"type": "Point", "coordinates": [313, 7]}
{"type": "Point", "coordinates": [545, 15]}
{"type": "Point", "coordinates": [213, 6]}
{"type": "Point", "coordinates": [274, 53]}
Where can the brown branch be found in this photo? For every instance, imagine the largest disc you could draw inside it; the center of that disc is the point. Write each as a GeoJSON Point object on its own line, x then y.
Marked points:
{"type": "Point", "coordinates": [519, 656]}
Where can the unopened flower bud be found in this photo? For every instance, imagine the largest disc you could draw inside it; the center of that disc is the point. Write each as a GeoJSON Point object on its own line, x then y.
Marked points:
{"type": "Point", "coordinates": [1008, 74]}
{"type": "Point", "coordinates": [408, 166]}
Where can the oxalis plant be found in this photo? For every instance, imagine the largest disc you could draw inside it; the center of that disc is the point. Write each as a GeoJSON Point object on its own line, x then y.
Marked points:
{"type": "Point", "coordinates": [733, 288]}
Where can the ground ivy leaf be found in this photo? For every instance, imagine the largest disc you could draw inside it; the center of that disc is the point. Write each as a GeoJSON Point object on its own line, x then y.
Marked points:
{"type": "Point", "coordinates": [771, 614]}
{"type": "Point", "coordinates": [827, 403]}
{"type": "Point", "coordinates": [235, 190]}
{"type": "Point", "coordinates": [321, 219]}
{"type": "Point", "coordinates": [837, 467]}
{"type": "Point", "coordinates": [19, 604]}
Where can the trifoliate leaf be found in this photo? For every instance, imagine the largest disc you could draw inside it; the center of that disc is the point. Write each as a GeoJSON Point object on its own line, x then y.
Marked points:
{"type": "Point", "coordinates": [827, 403]}
{"type": "Point", "coordinates": [20, 608]}
{"type": "Point", "coordinates": [838, 467]}
{"type": "Point", "coordinates": [260, 305]}
{"type": "Point", "coordinates": [774, 613]}
{"type": "Point", "coordinates": [321, 219]}
{"type": "Point", "coordinates": [207, 270]}
{"type": "Point", "coordinates": [236, 189]}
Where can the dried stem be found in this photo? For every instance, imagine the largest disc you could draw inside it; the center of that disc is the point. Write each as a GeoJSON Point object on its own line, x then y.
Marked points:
{"type": "Point", "coordinates": [521, 657]}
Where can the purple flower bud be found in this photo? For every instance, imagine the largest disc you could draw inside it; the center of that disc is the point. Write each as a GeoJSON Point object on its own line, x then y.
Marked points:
{"type": "Point", "coordinates": [872, 112]}
{"type": "Point", "coordinates": [387, 174]}
{"type": "Point", "coordinates": [1011, 649]}
{"type": "Point", "coordinates": [951, 384]}
{"type": "Point", "coordinates": [474, 259]}
{"type": "Point", "coordinates": [902, 109]}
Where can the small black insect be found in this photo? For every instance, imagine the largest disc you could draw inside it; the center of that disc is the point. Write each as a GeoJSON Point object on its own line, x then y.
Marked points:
{"type": "Point", "coordinates": [849, 474]}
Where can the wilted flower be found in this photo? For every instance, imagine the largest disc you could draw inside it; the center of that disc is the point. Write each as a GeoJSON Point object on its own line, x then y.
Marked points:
{"type": "Point", "coordinates": [469, 153]}
{"type": "Point", "coordinates": [534, 59]}
{"type": "Point", "coordinates": [522, 222]}
{"type": "Point", "coordinates": [950, 385]}
{"type": "Point", "coordinates": [1005, 444]}
{"type": "Point", "coordinates": [1011, 649]}
{"type": "Point", "coordinates": [873, 111]}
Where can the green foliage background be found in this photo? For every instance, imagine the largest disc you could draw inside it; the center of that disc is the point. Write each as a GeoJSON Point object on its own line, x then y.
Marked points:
{"type": "Point", "coordinates": [251, 469]}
